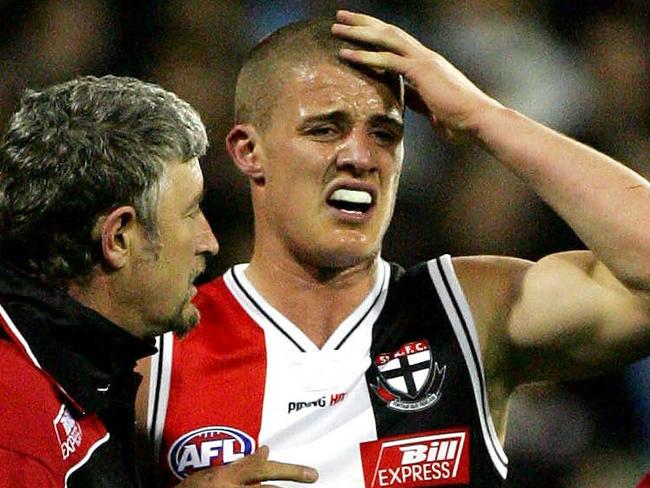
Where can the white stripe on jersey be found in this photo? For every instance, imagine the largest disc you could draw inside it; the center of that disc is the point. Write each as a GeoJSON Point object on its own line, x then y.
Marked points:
{"type": "Point", "coordinates": [451, 295]}
{"type": "Point", "coordinates": [159, 383]}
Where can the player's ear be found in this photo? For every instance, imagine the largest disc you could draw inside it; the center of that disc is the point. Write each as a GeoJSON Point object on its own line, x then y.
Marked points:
{"type": "Point", "coordinates": [115, 231]}
{"type": "Point", "coordinates": [243, 146]}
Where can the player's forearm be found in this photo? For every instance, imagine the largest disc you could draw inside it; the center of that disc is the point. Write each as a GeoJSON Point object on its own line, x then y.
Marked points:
{"type": "Point", "coordinates": [606, 203]}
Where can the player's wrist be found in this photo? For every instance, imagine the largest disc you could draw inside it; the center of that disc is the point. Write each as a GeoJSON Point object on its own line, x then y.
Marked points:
{"type": "Point", "coordinates": [490, 123]}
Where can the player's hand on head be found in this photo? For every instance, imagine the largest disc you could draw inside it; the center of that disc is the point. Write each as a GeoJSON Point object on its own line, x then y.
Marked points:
{"type": "Point", "coordinates": [250, 471]}
{"type": "Point", "coordinates": [434, 86]}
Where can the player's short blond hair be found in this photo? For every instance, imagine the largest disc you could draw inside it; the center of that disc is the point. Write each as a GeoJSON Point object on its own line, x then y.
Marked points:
{"type": "Point", "coordinates": [261, 79]}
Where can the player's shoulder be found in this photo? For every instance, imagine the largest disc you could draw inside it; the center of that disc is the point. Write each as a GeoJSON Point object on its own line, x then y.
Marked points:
{"type": "Point", "coordinates": [490, 282]}
{"type": "Point", "coordinates": [489, 264]}
{"type": "Point", "coordinates": [479, 269]}
{"type": "Point", "coordinates": [505, 276]}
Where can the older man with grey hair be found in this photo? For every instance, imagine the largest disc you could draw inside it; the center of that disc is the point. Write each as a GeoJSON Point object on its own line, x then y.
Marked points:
{"type": "Point", "coordinates": [101, 238]}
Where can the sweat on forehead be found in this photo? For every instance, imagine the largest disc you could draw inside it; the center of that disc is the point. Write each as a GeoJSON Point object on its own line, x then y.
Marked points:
{"type": "Point", "coordinates": [261, 80]}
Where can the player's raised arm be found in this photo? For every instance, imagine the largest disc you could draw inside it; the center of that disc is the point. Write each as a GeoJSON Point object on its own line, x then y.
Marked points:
{"type": "Point", "coordinates": [589, 310]}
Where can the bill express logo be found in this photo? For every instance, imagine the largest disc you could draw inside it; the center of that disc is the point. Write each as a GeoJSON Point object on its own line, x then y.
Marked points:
{"type": "Point", "coordinates": [424, 459]}
{"type": "Point", "coordinates": [206, 447]}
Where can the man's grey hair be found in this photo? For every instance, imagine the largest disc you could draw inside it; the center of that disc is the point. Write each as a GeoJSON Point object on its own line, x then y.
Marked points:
{"type": "Point", "coordinates": [78, 150]}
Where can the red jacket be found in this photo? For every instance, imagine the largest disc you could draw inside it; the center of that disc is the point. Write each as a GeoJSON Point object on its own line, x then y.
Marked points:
{"type": "Point", "coordinates": [43, 437]}
{"type": "Point", "coordinates": [67, 391]}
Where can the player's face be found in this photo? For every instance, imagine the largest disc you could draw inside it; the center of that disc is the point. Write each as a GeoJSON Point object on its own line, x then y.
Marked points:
{"type": "Point", "coordinates": [332, 159]}
{"type": "Point", "coordinates": [168, 266]}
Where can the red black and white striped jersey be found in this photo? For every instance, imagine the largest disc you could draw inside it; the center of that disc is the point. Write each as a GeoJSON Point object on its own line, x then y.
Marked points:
{"type": "Point", "coordinates": [395, 398]}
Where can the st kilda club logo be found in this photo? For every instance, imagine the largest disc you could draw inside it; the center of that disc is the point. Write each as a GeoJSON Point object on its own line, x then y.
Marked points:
{"type": "Point", "coordinates": [408, 379]}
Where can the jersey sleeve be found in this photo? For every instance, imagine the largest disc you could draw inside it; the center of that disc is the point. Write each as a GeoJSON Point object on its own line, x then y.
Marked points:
{"type": "Point", "coordinates": [18, 470]}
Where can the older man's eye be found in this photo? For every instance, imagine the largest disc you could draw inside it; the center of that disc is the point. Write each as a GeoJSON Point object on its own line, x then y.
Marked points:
{"type": "Point", "coordinates": [194, 212]}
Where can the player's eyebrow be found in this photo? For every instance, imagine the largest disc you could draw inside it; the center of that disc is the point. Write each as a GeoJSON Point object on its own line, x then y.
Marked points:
{"type": "Point", "coordinates": [396, 121]}
{"type": "Point", "coordinates": [332, 116]}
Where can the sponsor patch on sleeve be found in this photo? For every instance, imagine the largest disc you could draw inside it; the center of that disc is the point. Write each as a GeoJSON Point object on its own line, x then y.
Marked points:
{"type": "Point", "coordinates": [433, 458]}
{"type": "Point", "coordinates": [68, 432]}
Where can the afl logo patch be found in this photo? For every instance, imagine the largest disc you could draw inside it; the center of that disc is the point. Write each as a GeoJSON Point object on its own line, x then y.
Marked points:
{"type": "Point", "coordinates": [206, 447]}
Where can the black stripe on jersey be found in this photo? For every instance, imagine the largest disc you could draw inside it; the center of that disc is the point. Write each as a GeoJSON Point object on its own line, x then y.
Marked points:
{"type": "Point", "coordinates": [383, 281]}
{"type": "Point", "coordinates": [475, 358]}
{"type": "Point", "coordinates": [154, 418]}
{"type": "Point", "coordinates": [414, 311]}
{"type": "Point", "coordinates": [261, 310]}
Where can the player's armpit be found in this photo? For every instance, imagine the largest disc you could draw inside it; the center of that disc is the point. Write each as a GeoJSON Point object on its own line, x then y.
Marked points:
{"type": "Point", "coordinates": [492, 285]}
{"type": "Point", "coordinates": [250, 471]}
{"type": "Point", "coordinates": [572, 318]}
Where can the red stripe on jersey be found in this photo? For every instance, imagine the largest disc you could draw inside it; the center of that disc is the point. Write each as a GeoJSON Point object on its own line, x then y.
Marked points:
{"type": "Point", "coordinates": [225, 351]}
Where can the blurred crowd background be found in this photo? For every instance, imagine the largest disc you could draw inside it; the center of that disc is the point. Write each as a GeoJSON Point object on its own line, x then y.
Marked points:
{"type": "Point", "coordinates": [579, 66]}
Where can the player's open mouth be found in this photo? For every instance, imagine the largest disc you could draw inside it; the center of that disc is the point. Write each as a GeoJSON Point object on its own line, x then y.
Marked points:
{"type": "Point", "coordinates": [356, 202]}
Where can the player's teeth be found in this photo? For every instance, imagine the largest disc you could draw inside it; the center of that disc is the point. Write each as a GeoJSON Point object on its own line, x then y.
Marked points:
{"type": "Point", "coordinates": [352, 196]}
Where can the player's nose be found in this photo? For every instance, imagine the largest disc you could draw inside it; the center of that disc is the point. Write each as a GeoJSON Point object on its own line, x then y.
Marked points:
{"type": "Point", "coordinates": [356, 153]}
